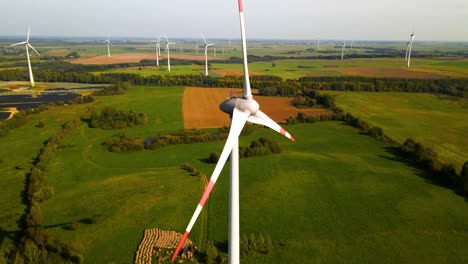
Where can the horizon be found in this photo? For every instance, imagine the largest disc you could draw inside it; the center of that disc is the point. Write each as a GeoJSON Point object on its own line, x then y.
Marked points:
{"type": "Point", "coordinates": [335, 19]}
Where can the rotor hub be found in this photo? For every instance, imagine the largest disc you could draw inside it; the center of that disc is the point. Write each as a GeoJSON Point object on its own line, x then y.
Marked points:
{"type": "Point", "coordinates": [242, 104]}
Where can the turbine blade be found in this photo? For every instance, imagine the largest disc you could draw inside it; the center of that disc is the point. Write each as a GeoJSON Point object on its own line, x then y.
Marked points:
{"type": "Point", "coordinates": [20, 43]}
{"type": "Point", "coordinates": [159, 38]}
{"type": "Point", "coordinates": [167, 40]}
{"type": "Point", "coordinates": [262, 119]}
{"type": "Point", "coordinates": [29, 31]}
{"type": "Point", "coordinates": [211, 44]}
{"type": "Point", "coordinates": [238, 121]}
{"type": "Point", "coordinates": [247, 89]}
{"type": "Point", "coordinates": [203, 38]}
{"type": "Point", "coordinates": [33, 49]}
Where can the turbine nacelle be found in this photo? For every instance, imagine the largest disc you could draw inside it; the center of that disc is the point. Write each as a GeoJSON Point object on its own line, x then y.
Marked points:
{"type": "Point", "coordinates": [241, 104]}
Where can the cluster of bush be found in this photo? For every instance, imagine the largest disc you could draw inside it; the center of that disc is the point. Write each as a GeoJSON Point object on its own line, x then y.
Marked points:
{"type": "Point", "coordinates": [36, 240]}
{"type": "Point", "coordinates": [121, 143]}
{"type": "Point", "coordinates": [118, 88]}
{"type": "Point", "coordinates": [310, 98]}
{"type": "Point", "coordinates": [259, 147]}
{"type": "Point", "coordinates": [255, 244]}
{"type": "Point", "coordinates": [190, 169]}
{"type": "Point", "coordinates": [111, 118]}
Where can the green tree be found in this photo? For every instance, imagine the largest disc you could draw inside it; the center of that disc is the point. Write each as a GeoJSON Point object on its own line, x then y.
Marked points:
{"type": "Point", "coordinates": [464, 177]}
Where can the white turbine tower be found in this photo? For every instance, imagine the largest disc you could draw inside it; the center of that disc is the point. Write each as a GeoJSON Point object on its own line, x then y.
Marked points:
{"type": "Point", "coordinates": [241, 110]}
{"type": "Point", "coordinates": [168, 52]}
{"type": "Point", "coordinates": [410, 47]}
{"type": "Point", "coordinates": [158, 49]}
{"type": "Point", "coordinates": [407, 48]}
{"type": "Point", "coordinates": [318, 44]}
{"type": "Point", "coordinates": [27, 44]}
{"type": "Point", "coordinates": [108, 45]}
{"type": "Point", "coordinates": [206, 53]}
{"type": "Point", "coordinates": [342, 50]}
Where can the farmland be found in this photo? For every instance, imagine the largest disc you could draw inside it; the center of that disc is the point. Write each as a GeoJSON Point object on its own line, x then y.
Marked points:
{"type": "Point", "coordinates": [336, 185]}
{"type": "Point", "coordinates": [438, 121]}
{"type": "Point", "coordinates": [336, 195]}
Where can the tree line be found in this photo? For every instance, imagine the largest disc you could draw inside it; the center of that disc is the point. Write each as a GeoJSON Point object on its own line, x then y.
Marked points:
{"type": "Point", "coordinates": [267, 85]}
{"type": "Point", "coordinates": [111, 118]}
{"type": "Point", "coordinates": [36, 245]}
{"type": "Point", "coordinates": [415, 152]}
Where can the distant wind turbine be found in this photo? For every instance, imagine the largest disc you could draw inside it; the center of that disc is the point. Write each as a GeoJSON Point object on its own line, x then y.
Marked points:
{"type": "Point", "coordinates": [206, 53]}
{"type": "Point", "coordinates": [158, 49]}
{"type": "Point", "coordinates": [318, 44]}
{"type": "Point", "coordinates": [410, 47]}
{"type": "Point", "coordinates": [108, 45]}
{"type": "Point", "coordinates": [407, 48]}
{"type": "Point", "coordinates": [214, 52]}
{"type": "Point", "coordinates": [342, 50]}
{"type": "Point", "coordinates": [168, 51]}
{"type": "Point", "coordinates": [26, 43]}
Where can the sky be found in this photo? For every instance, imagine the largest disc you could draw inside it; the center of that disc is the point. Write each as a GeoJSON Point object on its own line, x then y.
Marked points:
{"type": "Point", "coordinates": [432, 20]}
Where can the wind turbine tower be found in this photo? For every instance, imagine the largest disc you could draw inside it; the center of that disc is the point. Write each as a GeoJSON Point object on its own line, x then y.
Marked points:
{"type": "Point", "coordinates": [168, 52]}
{"type": "Point", "coordinates": [410, 47]}
{"type": "Point", "coordinates": [27, 44]}
{"type": "Point", "coordinates": [241, 110]}
{"type": "Point", "coordinates": [158, 49]}
{"type": "Point", "coordinates": [206, 53]}
{"type": "Point", "coordinates": [108, 46]}
{"type": "Point", "coordinates": [342, 50]}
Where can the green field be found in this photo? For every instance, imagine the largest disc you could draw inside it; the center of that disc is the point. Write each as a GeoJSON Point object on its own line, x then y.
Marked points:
{"type": "Point", "coordinates": [333, 196]}
{"type": "Point", "coordinates": [438, 121]}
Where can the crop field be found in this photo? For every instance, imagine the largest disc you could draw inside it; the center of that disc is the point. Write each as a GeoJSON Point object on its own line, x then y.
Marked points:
{"type": "Point", "coordinates": [134, 58]}
{"type": "Point", "coordinates": [344, 192]}
{"type": "Point", "coordinates": [199, 101]}
{"type": "Point", "coordinates": [146, 71]}
{"type": "Point", "coordinates": [438, 121]}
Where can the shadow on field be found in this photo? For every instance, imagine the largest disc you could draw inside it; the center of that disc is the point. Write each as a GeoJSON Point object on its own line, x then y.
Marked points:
{"type": "Point", "coordinates": [222, 246]}
{"type": "Point", "coordinates": [396, 155]}
{"type": "Point", "coordinates": [68, 225]}
{"type": "Point", "coordinates": [12, 235]}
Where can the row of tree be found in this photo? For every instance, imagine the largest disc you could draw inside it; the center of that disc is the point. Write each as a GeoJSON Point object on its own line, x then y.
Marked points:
{"type": "Point", "coordinates": [267, 85]}
{"type": "Point", "coordinates": [422, 156]}
{"type": "Point", "coordinates": [36, 245]}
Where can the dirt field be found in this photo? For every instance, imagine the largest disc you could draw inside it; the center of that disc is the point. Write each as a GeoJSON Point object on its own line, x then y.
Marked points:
{"type": "Point", "coordinates": [201, 107]}
{"type": "Point", "coordinates": [134, 58]}
{"type": "Point", "coordinates": [386, 72]}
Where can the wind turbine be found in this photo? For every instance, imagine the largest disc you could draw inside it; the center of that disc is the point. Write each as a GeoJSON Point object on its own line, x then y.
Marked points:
{"type": "Point", "coordinates": [318, 44]}
{"type": "Point", "coordinates": [27, 44]}
{"type": "Point", "coordinates": [206, 54]}
{"type": "Point", "coordinates": [168, 51]}
{"type": "Point", "coordinates": [108, 45]}
{"type": "Point", "coordinates": [342, 50]}
{"type": "Point", "coordinates": [410, 47]}
{"type": "Point", "coordinates": [158, 49]}
{"type": "Point", "coordinates": [407, 48]}
{"type": "Point", "coordinates": [241, 110]}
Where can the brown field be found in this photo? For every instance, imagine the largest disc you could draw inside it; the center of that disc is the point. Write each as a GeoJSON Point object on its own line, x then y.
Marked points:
{"type": "Point", "coordinates": [201, 107]}
{"type": "Point", "coordinates": [134, 58]}
{"type": "Point", "coordinates": [387, 72]}
{"type": "Point", "coordinates": [223, 73]}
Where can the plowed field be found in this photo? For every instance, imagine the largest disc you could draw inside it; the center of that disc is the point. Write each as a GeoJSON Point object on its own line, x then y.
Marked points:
{"type": "Point", "coordinates": [201, 107]}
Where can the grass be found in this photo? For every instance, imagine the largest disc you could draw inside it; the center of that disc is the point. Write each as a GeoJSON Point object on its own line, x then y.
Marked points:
{"type": "Point", "coordinates": [333, 196]}
{"type": "Point", "coordinates": [437, 121]}
{"type": "Point", "coordinates": [336, 196]}
{"type": "Point", "coordinates": [17, 152]}
{"type": "Point", "coordinates": [146, 71]}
